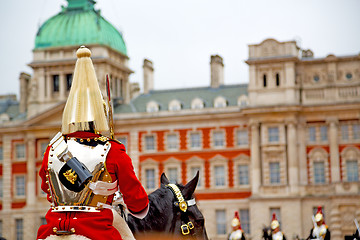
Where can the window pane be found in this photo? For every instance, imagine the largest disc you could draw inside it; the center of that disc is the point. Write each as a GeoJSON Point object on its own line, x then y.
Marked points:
{"type": "Point", "coordinates": [312, 134]}
{"type": "Point", "coordinates": [43, 221]}
{"type": "Point", "coordinates": [356, 131]}
{"type": "Point", "coordinates": [20, 151]}
{"type": "Point", "coordinates": [68, 81]}
{"type": "Point", "coordinates": [323, 133]}
{"type": "Point", "coordinates": [219, 175]}
{"type": "Point", "coordinates": [1, 154]}
{"type": "Point", "coordinates": [150, 143]}
{"type": "Point", "coordinates": [243, 171]}
{"type": "Point", "coordinates": [218, 139]}
{"type": "Point", "coordinates": [20, 185]}
{"type": "Point", "coordinates": [1, 228]}
{"type": "Point", "coordinates": [245, 220]}
{"type": "Point", "coordinates": [193, 171]}
{"type": "Point", "coordinates": [274, 173]}
{"type": "Point", "coordinates": [352, 171]}
{"type": "Point", "coordinates": [344, 132]}
{"type": "Point", "coordinates": [195, 140]}
{"type": "Point", "coordinates": [173, 175]}
{"type": "Point", "coordinates": [150, 178]}
{"type": "Point", "coordinates": [172, 141]}
{"type": "Point", "coordinates": [220, 222]}
{"type": "Point", "coordinates": [273, 134]}
{"type": "Point", "coordinates": [124, 141]}
{"type": "Point", "coordinates": [319, 172]}
{"type": "Point", "coordinates": [43, 147]}
{"type": "Point", "coordinates": [19, 229]}
{"type": "Point", "coordinates": [56, 83]}
{"type": "Point", "coordinates": [242, 137]}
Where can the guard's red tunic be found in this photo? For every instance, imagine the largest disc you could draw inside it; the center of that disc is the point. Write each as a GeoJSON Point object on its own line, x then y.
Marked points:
{"type": "Point", "coordinates": [97, 225]}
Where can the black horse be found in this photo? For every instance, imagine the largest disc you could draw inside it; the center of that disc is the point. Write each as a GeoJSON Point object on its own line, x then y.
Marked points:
{"type": "Point", "coordinates": [165, 216]}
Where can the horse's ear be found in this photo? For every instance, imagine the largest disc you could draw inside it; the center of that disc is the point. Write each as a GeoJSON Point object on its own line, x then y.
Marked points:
{"type": "Point", "coordinates": [164, 180]}
{"type": "Point", "coordinates": [190, 186]}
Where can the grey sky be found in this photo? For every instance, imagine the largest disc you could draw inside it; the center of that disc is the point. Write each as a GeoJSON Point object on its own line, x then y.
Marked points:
{"type": "Point", "coordinates": [180, 36]}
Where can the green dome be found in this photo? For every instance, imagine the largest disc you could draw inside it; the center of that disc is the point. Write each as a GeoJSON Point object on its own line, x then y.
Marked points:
{"type": "Point", "coordinates": [79, 24]}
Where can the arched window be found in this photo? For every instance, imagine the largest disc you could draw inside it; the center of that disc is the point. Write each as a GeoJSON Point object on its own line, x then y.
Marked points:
{"type": "Point", "coordinates": [220, 102]}
{"type": "Point", "coordinates": [277, 80]}
{"type": "Point", "coordinates": [152, 106]}
{"type": "Point", "coordinates": [197, 103]}
{"type": "Point", "coordinates": [264, 80]}
{"type": "Point", "coordinates": [174, 105]}
{"type": "Point", "coordinates": [243, 101]}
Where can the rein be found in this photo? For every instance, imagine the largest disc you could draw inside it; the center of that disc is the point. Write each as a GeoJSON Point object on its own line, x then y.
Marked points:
{"type": "Point", "coordinates": [186, 224]}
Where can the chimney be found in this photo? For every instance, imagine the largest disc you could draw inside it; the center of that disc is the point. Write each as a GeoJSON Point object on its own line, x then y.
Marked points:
{"type": "Point", "coordinates": [148, 76]}
{"type": "Point", "coordinates": [134, 90]}
{"type": "Point", "coordinates": [24, 91]}
{"type": "Point", "coordinates": [217, 71]}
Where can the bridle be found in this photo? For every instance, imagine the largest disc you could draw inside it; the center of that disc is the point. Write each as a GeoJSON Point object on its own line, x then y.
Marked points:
{"type": "Point", "coordinates": [186, 224]}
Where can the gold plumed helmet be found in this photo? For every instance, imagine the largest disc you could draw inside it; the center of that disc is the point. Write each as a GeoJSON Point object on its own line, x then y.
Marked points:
{"type": "Point", "coordinates": [319, 216]}
{"type": "Point", "coordinates": [84, 109]}
{"type": "Point", "coordinates": [274, 222]}
{"type": "Point", "coordinates": [236, 220]}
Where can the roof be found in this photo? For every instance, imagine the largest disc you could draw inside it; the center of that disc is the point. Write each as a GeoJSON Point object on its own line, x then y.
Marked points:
{"type": "Point", "coordinates": [9, 107]}
{"type": "Point", "coordinates": [185, 95]}
{"type": "Point", "coordinates": [79, 24]}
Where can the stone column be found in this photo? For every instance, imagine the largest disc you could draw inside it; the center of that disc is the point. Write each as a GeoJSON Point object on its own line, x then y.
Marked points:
{"type": "Point", "coordinates": [302, 152]}
{"type": "Point", "coordinates": [335, 222]}
{"type": "Point", "coordinates": [293, 167]}
{"type": "Point", "coordinates": [7, 179]}
{"type": "Point", "coordinates": [30, 219]}
{"type": "Point", "coordinates": [255, 158]}
{"type": "Point", "coordinates": [62, 87]}
{"type": "Point", "coordinates": [334, 149]}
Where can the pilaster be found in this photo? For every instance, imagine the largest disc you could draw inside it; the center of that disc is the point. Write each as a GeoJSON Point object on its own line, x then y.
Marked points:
{"type": "Point", "coordinates": [293, 170]}
{"type": "Point", "coordinates": [255, 157]}
{"type": "Point", "coordinates": [334, 149]}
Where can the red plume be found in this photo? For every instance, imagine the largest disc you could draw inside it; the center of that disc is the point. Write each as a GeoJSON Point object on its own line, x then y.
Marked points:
{"type": "Point", "coordinates": [236, 215]}
{"type": "Point", "coordinates": [319, 210]}
{"type": "Point", "coordinates": [273, 217]}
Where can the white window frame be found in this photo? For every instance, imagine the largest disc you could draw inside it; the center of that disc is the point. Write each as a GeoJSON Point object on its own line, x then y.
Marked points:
{"type": "Point", "coordinates": [214, 140]}
{"type": "Point", "coordinates": [344, 131]}
{"type": "Point", "coordinates": [241, 140]}
{"type": "Point", "coordinates": [172, 163]}
{"type": "Point", "coordinates": [350, 153]}
{"type": "Point", "coordinates": [19, 233]}
{"type": "Point", "coordinates": [152, 107]}
{"type": "Point", "coordinates": [245, 219]}
{"type": "Point", "coordinates": [318, 155]}
{"type": "Point", "coordinates": [196, 162]}
{"type": "Point", "coordinates": [273, 134]}
{"type": "Point", "coordinates": [1, 153]}
{"type": "Point", "coordinates": [1, 189]}
{"type": "Point", "coordinates": [175, 105]}
{"type": "Point", "coordinates": [220, 102]}
{"type": "Point", "coordinates": [243, 101]}
{"type": "Point", "coordinates": [170, 145]}
{"type": "Point", "coordinates": [197, 103]}
{"type": "Point", "coordinates": [317, 174]}
{"type": "Point", "coordinates": [221, 222]}
{"type": "Point", "coordinates": [15, 188]}
{"type": "Point", "coordinates": [356, 131]}
{"type": "Point", "coordinates": [145, 149]}
{"type": "Point", "coordinates": [16, 148]}
{"type": "Point", "coordinates": [324, 136]}
{"type": "Point", "coordinates": [277, 173]}
{"type": "Point", "coordinates": [241, 160]}
{"type": "Point", "coordinates": [190, 141]}
{"type": "Point", "coordinates": [219, 160]}
{"type": "Point", "coordinates": [149, 164]}
{"type": "Point", "coordinates": [311, 133]}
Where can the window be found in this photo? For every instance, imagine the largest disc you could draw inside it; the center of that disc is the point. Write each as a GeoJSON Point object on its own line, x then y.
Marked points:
{"type": "Point", "coordinates": [56, 83]}
{"type": "Point", "coordinates": [1, 154]}
{"type": "Point", "coordinates": [344, 132]}
{"type": "Point", "coordinates": [245, 220]}
{"type": "Point", "coordinates": [197, 103]}
{"type": "Point", "coordinates": [277, 79]}
{"type": "Point", "coordinates": [220, 102]}
{"type": "Point", "coordinates": [312, 134]}
{"type": "Point", "coordinates": [20, 186]}
{"type": "Point", "coordinates": [150, 178]}
{"type": "Point", "coordinates": [152, 106]}
{"type": "Point", "coordinates": [1, 188]}
{"type": "Point", "coordinates": [220, 222]}
{"type": "Point", "coordinates": [356, 131]}
{"type": "Point", "coordinates": [349, 76]}
{"type": "Point", "coordinates": [242, 138]}
{"type": "Point", "coordinates": [149, 143]}
{"type": "Point", "coordinates": [174, 105]}
{"type": "Point", "coordinates": [316, 78]}
{"type": "Point", "coordinates": [1, 228]}
{"type": "Point", "coordinates": [43, 147]}
{"type": "Point", "coordinates": [273, 134]}
{"type": "Point", "coordinates": [195, 140]}
{"type": "Point", "coordinates": [172, 141]}
{"type": "Point", "coordinates": [264, 80]}
{"type": "Point", "coordinates": [193, 171]}
{"type": "Point", "coordinates": [173, 175]}
{"type": "Point", "coordinates": [319, 172]}
{"type": "Point", "coordinates": [219, 175]}
{"type": "Point", "coordinates": [352, 172]}
{"type": "Point", "coordinates": [124, 141]}
{"type": "Point", "coordinates": [323, 133]}
{"type": "Point", "coordinates": [274, 172]}
{"type": "Point", "coordinates": [68, 81]}
{"type": "Point", "coordinates": [43, 221]}
{"type": "Point", "coordinates": [277, 213]}
{"type": "Point", "coordinates": [218, 139]}
{"type": "Point", "coordinates": [243, 173]}
{"type": "Point", "coordinates": [19, 223]}
{"type": "Point", "coordinates": [20, 151]}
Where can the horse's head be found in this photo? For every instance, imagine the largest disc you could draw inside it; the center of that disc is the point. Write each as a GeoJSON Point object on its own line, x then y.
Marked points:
{"type": "Point", "coordinates": [188, 220]}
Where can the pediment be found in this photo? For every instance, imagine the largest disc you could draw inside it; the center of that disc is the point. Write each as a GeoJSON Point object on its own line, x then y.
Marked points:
{"type": "Point", "coordinates": [50, 117]}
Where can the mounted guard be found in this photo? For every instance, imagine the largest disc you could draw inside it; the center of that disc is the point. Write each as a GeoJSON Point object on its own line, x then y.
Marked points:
{"type": "Point", "coordinates": [320, 230]}
{"type": "Point", "coordinates": [275, 233]}
{"type": "Point", "coordinates": [237, 233]}
{"type": "Point", "coordinates": [82, 169]}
